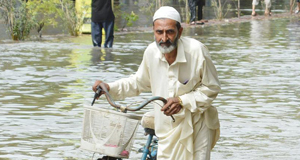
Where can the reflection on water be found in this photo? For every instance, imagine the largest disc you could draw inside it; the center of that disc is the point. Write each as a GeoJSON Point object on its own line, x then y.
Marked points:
{"type": "Point", "coordinates": [260, 32]}
{"type": "Point", "coordinates": [44, 85]}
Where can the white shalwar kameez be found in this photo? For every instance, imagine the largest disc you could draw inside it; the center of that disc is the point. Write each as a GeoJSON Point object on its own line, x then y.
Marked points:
{"type": "Point", "coordinates": [193, 78]}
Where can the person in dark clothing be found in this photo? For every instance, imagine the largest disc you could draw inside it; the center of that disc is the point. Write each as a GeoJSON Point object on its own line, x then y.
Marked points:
{"type": "Point", "coordinates": [193, 4]}
{"type": "Point", "coordinates": [102, 17]}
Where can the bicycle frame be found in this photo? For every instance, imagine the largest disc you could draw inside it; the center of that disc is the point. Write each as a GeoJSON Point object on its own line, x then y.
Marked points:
{"type": "Point", "coordinates": [147, 153]}
{"type": "Point", "coordinates": [146, 148]}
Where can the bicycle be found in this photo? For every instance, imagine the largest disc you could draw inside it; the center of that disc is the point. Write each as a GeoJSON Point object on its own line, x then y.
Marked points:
{"type": "Point", "coordinates": [150, 148]}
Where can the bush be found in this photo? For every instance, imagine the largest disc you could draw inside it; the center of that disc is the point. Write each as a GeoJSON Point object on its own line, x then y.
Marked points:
{"type": "Point", "coordinates": [22, 16]}
{"type": "Point", "coordinates": [72, 18]}
{"type": "Point", "coordinates": [17, 18]}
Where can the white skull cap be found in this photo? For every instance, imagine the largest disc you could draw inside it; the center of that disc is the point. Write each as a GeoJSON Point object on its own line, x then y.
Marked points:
{"type": "Point", "coordinates": [167, 12]}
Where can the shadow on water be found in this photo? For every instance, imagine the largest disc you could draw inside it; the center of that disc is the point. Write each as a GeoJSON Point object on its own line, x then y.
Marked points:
{"type": "Point", "coordinates": [44, 85]}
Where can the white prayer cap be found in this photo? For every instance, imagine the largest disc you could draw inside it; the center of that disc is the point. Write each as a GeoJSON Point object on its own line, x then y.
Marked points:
{"type": "Point", "coordinates": [167, 12]}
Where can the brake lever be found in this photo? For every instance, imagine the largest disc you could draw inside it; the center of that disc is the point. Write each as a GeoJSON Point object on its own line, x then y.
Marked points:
{"type": "Point", "coordinates": [97, 94]}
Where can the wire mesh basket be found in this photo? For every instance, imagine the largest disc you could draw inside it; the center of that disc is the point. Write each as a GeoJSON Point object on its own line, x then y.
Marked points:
{"type": "Point", "coordinates": [108, 132]}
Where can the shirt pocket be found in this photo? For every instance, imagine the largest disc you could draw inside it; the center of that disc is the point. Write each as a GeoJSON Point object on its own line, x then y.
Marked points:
{"type": "Point", "coordinates": [183, 88]}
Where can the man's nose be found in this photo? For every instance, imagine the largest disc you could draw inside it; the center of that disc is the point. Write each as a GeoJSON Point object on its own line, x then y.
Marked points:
{"type": "Point", "coordinates": [165, 37]}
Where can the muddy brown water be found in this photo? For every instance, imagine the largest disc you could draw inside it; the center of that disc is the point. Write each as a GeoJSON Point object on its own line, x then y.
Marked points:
{"type": "Point", "coordinates": [44, 84]}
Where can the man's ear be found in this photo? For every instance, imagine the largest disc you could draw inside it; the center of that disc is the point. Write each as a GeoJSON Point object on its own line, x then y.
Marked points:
{"type": "Point", "coordinates": [179, 32]}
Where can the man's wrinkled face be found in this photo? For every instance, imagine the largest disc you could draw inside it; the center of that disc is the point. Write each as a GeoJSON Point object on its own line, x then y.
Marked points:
{"type": "Point", "coordinates": [166, 35]}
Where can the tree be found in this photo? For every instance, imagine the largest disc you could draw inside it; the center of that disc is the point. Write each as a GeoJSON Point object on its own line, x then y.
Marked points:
{"type": "Point", "coordinates": [72, 18]}
{"type": "Point", "coordinates": [219, 7]}
{"type": "Point", "coordinates": [22, 16]}
{"type": "Point", "coordinates": [43, 14]}
{"type": "Point", "coordinates": [292, 4]}
{"type": "Point", "coordinates": [17, 18]}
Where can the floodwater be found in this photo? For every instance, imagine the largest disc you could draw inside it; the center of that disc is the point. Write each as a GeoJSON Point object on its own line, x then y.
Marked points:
{"type": "Point", "coordinates": [44, 84]}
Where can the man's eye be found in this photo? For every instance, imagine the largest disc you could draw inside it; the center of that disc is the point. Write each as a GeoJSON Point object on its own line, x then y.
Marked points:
{"type": "Point", "coordinates": [170, 32]}
{"type": "Point", "coordinates": [159, 32]}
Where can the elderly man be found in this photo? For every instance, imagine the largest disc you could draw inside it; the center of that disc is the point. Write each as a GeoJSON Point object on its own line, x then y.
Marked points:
{"type": "Point", "coordinates": [181, 70]}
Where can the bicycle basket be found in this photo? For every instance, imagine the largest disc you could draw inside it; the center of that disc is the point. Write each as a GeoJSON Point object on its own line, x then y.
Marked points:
{"type": "Point", "coordinates": [108, 132]}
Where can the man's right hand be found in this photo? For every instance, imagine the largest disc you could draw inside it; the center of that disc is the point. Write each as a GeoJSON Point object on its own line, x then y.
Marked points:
{"type": "Point", "coordinates": [97, 83]}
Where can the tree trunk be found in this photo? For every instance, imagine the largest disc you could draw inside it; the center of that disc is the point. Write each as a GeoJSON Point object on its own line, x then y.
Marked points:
{"type": "Point", "coordinates": [239, 7]}
{"type": "Point", "coordinates": [220, 10]}
{"type": "Point", "coordinates": [158, 3]}
{"type": "Point", "coordinates": [292, 3]}
{"type": "Point", "coordinates": [187, 12]}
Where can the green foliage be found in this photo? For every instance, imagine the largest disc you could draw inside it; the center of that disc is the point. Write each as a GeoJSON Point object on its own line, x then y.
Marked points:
{"type": "Point", "coordinates": [17, 18]}
{"type": "Point", "coordinates": [23, 23]}
{"type": "Point", "coordinates": [21, 16]}
{"type": "Point", "coordinates": [43, 13]}
{"type": "Point", "coordinates": [130, 18]}
{"type": "Point", "coordinates": [72, 18]}
{"type": "Point", "coordinates": [147, 7]}
{"type": "Point", "coordinates": [219, 8]}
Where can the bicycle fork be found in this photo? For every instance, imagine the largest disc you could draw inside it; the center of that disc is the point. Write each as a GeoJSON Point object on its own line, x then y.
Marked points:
{"type": "Point", "coordinates": [149, 151]}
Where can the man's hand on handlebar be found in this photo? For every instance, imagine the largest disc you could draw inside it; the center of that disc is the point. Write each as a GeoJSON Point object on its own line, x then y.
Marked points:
{"type": "Point", "coordinates": [172, 106]}
{"type": "Point", "coordinates": [96, 84]}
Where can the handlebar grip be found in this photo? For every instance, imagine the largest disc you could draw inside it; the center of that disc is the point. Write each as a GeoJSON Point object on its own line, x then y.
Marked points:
{"type": "Point", "coordinates": [99, 89]}
{"type": "Point", "coordinates": [97, 94]}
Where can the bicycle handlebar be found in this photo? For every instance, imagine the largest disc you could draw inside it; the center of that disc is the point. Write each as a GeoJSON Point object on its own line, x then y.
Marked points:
{"type": "Point", "coordinates": [102, 88]}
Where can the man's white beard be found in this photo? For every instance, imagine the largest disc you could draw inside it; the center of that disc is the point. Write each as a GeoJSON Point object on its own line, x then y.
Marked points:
{"type": "Point", "coordinates": [166, 49]}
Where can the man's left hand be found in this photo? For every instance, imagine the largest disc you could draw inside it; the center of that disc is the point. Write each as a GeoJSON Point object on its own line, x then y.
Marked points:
{"type": "Point", "coordinates": [172, 106]}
